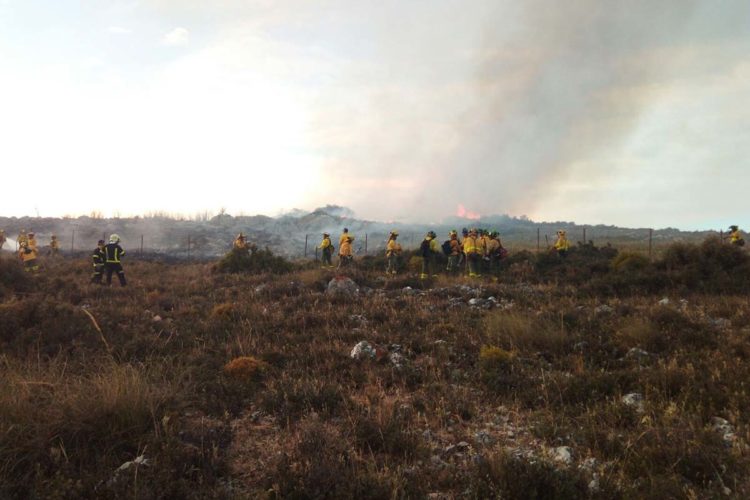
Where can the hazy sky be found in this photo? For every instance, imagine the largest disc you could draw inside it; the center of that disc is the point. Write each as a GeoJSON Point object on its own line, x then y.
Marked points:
{"type": "Point", "coordinates": [625, 112]}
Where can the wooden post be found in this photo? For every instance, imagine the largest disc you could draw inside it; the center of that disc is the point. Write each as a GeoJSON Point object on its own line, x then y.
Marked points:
{"type": "Point", "coordinates": [316, 254]}
{"type": "Point", "coordinates": [721, 235]}
{"type": "Point", "coordinates": [365, 243]}
{"type": "Point", "coordinates": [141, 245]}
{"type": "Point", "coordinates": [650, 242]}
{"type": "Point", "coordinates": [306, 246]}
{"type": "Point", "coordinates": [73, 241]}
{"type": "Point", "coordinates": [104, 237]}
{"type": "Point", "coordinates": [188, 247]}
{"type": "Point", "coordinates": [584, 235]}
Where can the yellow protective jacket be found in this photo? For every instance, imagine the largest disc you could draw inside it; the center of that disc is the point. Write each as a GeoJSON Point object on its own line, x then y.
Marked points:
{"type": "Point", "coordinates": [735, 236]}
{"type": "Point", "coordinates": [32, 243]}
{"type": "Point", "coordinates": [393, 248]}
{"type": "Point", "coordinates": [493, 246]}
{"type": "Point", "coordinates": [562, 243]}
{"type": "Point", "coordinates": [345, 250]}
{"type": "Point", "coordinates": [325, 243]}
{"type": "Point", "coordinates": [240, 243]}
{"type": "Point", "coordinates": [54, 244]}
{"type": "Point", "coordinates": [483, 243]}
{"type": "Point", "coordinates": [343, 237]}
{"type": "Point", "coordinates": [470, 245]}
{"type": "Point", "coordinates": [27, 253]}
{"type": "Point", "coordinates": [455, 247]}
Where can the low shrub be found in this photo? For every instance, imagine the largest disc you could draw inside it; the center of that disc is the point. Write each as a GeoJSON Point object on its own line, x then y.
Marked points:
{"type": "Point", "coordinates": [252, 262]}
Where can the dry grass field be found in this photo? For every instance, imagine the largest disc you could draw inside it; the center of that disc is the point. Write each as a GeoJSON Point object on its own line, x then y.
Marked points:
{"type": "Point", "coordinates": [601, 376]}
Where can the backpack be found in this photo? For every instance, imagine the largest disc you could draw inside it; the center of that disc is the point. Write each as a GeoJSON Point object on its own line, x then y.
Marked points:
{"type": "Point", "coordinates": [424, 248]}
{"type": "Point", "coordinates": [447, 250]}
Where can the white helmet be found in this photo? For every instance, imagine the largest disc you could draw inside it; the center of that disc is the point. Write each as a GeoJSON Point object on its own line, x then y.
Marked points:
{"type": "Point", "coordinates": [114, 238]}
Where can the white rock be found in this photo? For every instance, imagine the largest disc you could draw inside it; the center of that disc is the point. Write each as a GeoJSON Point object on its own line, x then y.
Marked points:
{"type": "Point", "coordinates": [563, 454]}
{"type": "Point", "coordinates": [363, 350]}
{"type": "Point", "coordinates": [342, 286]}
{"type": "Point", "coordinates": [634, 400]}
{"type": "Point", "coordinates": [156, 318]}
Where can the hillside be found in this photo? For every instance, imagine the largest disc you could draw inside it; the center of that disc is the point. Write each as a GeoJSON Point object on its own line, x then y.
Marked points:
{"type": "Point", "coordinates": [285, 234]}
{"type": "Point", "coordinates": [600, 376]}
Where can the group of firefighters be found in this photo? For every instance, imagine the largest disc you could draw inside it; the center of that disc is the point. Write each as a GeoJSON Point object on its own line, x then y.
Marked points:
{"type": "Point", "coordinates": [106, 257]}
{"type": "Point", "coordinates": [479, 250]}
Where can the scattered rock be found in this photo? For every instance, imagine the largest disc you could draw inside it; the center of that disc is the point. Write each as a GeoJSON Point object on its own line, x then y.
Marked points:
{"type": "Point", "coordinates": [363, 350]}
{"type": "Point", "coordinates": [563, 454]}
{"type": "Point", "coordinates": [720, 323]}
{"type": "Point", "coordinates": [358, 318]}
{"type": "Point", "coordinates": [603, 309]}
{"type": "Point", "coordinates": [484, 438]}
{"type": "Point", "coordinates": [342, 286]}
{"type": "Point", "coordinates": [638, 354]}
{"type": "Point", "coordinates": [396, 359]}
{"type": "Point", "coordinates": [156, 318]}
{"type": "Point", "coordinates": [634, 400]}
{"type": "Point", "coordinates": [664, 302]}
{"type": "Point", "coordinates": [261, 288]}
{"type": "Point", "coordinates": [725, 429]}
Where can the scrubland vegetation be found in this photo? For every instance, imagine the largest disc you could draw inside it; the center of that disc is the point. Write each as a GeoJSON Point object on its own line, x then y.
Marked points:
{"type": "Point", "coordinates": [604, 375]}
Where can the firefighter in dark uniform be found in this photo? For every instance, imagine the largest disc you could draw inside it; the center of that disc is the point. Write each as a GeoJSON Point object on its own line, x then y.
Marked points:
{"type": "Point", "coordinates": [98, 258]}
{"type": "Point", "coordinates": [113, 252]}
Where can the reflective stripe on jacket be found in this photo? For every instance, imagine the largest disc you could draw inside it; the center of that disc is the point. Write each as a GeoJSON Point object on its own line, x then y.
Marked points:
{"type": "Point", "coordinates": [113, 252]}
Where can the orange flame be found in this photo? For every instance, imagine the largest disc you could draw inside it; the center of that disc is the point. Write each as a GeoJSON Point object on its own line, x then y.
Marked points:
{"type": "Point", "coordinates": [466, 214]}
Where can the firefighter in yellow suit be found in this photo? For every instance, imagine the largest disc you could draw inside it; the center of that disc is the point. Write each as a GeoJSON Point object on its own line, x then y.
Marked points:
{"type": "Point", "coordinates": [562, 245]}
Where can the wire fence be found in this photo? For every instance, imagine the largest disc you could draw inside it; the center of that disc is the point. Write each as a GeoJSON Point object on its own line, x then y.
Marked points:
{"type": "Point", "coordinates": [541, 240]}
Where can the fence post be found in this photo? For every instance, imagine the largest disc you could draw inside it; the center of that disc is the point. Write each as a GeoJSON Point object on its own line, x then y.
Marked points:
{"type": "Point", "coordinates": [104, 236]}
{"type": "Point", "coordinates": [306, 246]}
{"type": "Point", "coordinates": [365, 243]}
{"type": "Point", "coordinates": [141, 245]}
{"type": "Point", "coordinates": [650, 242]}
{"type": "Point", "coordinates": [189, 247]}
{"type": "Point", "coordinates": [73, 241]}
{"type": "Point", "coordinates": [316, 254]}
{"type": "Point", "coordinates": [584, 235]}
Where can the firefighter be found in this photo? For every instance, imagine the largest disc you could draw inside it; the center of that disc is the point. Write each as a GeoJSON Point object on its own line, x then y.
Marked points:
{"type": "Point", "coordinates": [31, 240]}
{"type": "Point", "coordinates": [2, 239]}
{"type": "Point", "coordinates": [240, 242]}
{"type": "Point", "coordinates": [484, 243]}
{"type": "Point", "coordinates": [562, 245]}
{"type": "Point", "coordinates": [735, 237]}
{"type": "Point", "coordinates": [472, 252]}
{"type": "Point", "coordinates": [99, 257]}
{"type": "Point", "coordinates": [461, 255]}
{"type": "Point", "coordinates": [28, 255]}
{"type": "Point", "coordinates": [113, 252]}
{"type": "Point", "coordinates": [326, 248]}
{"type": "Point", "coordinates": [428, 249]}
{"type": "Point", "coordinates": [493, 251]}
{"type": "Point", "coordinates": [392, 253]}
{"type": "Point", "coordinates": [22, 238]}
{"type": "Point", "coordinates": [344, 236]}
{"type": "Point", "coordinates": [346, 254]}
{"type": "Point", "coordinates": [54, 246]}
{"type": "Point", "coordinates": [455, 252]}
